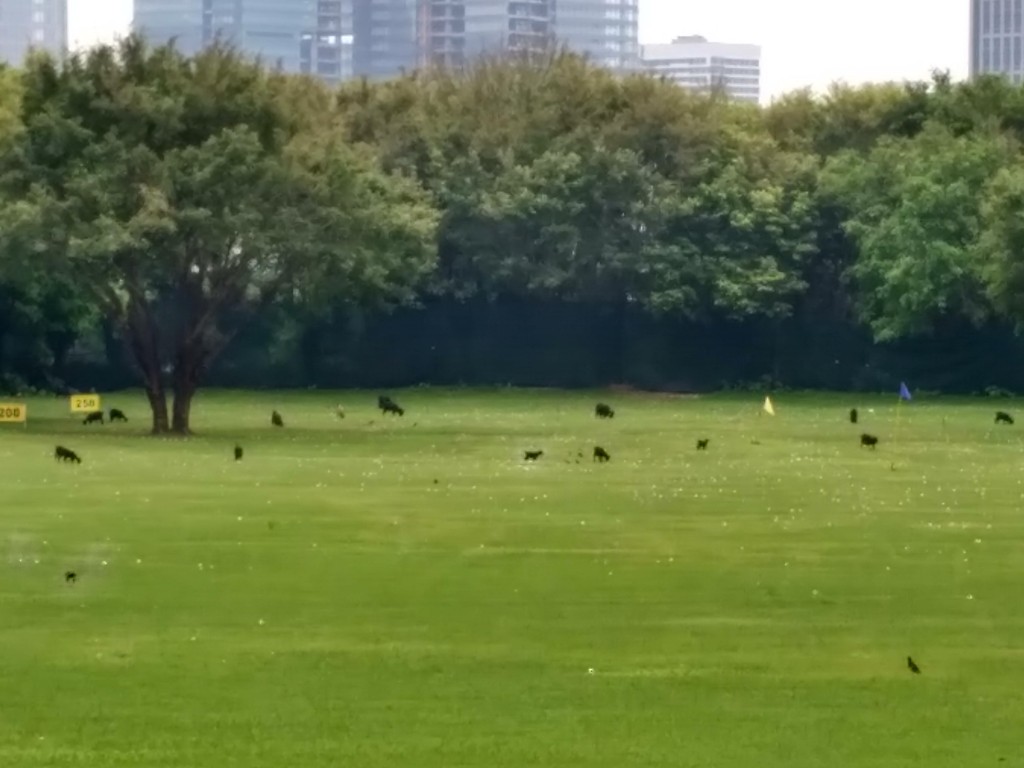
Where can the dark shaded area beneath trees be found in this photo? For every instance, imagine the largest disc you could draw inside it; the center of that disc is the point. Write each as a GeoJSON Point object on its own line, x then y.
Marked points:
{"type": "Point", "coordinates": [583, 346]}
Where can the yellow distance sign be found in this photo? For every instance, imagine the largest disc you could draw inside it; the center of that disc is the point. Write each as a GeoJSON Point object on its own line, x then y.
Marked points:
{"type": "Point", "coordinates": [13, 413]}
{"type": "Point", "coordinates": [85, 403]}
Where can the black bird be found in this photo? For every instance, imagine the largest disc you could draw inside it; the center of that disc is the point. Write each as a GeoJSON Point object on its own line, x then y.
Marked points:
{"type": "Point", "coordinates": [70, 577]}
{"type": "Point", "coordinates": [276, 420]}
{"type": "Point", "coordinates": [66, 454]}
{"type": "Point", "coordinates": [912, 666]}
{"type": "Point", "coordinates": [853, 415]}
{"type": "Point", "coordinates": [702, 445]}
{"type": "Point", "coordinates": [238, 453]}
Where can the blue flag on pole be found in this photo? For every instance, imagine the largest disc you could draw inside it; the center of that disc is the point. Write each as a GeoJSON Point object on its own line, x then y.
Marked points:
{"type": "Point", "coordinates": [904, 392]}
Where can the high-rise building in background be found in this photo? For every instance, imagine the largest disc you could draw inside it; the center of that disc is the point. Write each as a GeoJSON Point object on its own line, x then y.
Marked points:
{"type": "Point", "coordinates": [607, 31]}
{"type": "Point", "coordinates": [299, 36]}
{"type": "Point", "coordinates": [328, 47]}
{"type": "Point", "coordinates": [336, 39]}
{"type": "Point", "coordinates": [27, 24]}
{"type": "Point", "coordinates": [997, 35]}
{"type": "Point", "coordinates": [386, 34]}
{"type": "Point", "coordinates": [453, 32]}
{"type": "Point", "coordinates": [693, 62]}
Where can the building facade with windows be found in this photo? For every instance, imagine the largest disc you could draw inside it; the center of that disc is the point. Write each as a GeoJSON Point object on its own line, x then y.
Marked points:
{"type": "Point", "coordinates": [694, 62]}
{"type": "Point", "coordinates": [328, 48]}
{"type": "Point", "coordinates": [997, 38]}
{"type": "Point", "coordinates": [606, 31]}
{"type": "Point", "coordinates": [28, 24]}
{"type": "Point", "coordinates": [338, 39]}
{"type": "Point", "coordinates": [297, 36]}
{"type": "Point", "coordinates": [385, 37]}
{"type": "Point", "coordinates": [453, 32]}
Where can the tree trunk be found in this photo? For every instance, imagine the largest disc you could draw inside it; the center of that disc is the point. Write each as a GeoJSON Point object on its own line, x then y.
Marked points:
{"type": "Point", "coordinates": [188, 365]}
{"type": "Point", "coordinates": [182, 410]}
{"type": "Point", "coordinates": [185, 382]}
{"type": "Point", "coordinates": [158, 405]}
{"type": "Point", "coordinates": [140, 333]}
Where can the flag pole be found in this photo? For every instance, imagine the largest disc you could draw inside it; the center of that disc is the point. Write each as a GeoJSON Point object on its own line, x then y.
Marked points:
{"type": "Point", "coordinates": [904, 394]}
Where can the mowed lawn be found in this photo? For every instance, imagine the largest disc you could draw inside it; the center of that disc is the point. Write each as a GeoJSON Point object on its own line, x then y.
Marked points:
{"type": "Point", "coordinates": [408, 592]}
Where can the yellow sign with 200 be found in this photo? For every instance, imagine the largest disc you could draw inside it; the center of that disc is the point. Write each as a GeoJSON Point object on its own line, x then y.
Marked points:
{"type": "Point", "coordinates": [13, 413]}
{"type": "Point", "coordinates": [85, 403]}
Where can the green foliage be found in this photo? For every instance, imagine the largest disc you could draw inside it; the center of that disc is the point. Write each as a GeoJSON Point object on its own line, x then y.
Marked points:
{"type": "Point", "coordinates": [559, 180]}
{"type": "Point", "coordinates": [1000, 250]}
{"type": "Point", "coordinates": [10, 106]}
{"type": "Point", "coordinates": [914, 210]}
{"type": "Point", "coordinates": [181, 194]}
{"type": "Point", "coordinates": [183, 197]}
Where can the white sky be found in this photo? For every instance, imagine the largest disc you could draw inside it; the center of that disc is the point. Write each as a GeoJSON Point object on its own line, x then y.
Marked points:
{"type": "Point", "coordinates": [803, 42]}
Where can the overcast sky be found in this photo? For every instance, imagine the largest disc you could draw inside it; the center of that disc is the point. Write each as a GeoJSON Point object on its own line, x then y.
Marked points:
{"type": "Point", "coordinates": [804, 42]}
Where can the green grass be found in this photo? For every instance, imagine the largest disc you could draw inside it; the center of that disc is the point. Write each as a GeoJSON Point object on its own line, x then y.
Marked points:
{"type": "Point", "coordinates": [325, 602]}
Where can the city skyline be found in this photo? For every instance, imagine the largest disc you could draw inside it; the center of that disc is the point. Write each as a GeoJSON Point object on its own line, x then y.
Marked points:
{"type": "Point", "coordinates": [293, 39]}
{"type": "Point", "coordinates": [880, 39]}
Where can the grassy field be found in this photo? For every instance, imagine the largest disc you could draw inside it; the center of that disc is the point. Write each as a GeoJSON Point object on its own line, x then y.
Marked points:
{"type": "Point", "coordinates": [408, 592]}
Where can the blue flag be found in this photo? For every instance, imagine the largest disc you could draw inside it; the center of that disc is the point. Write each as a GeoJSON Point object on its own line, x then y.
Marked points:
{"type": "Point", "coordinates": [904, 392]}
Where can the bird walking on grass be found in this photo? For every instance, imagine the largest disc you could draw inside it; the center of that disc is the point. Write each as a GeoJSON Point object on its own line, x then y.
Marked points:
{"type": "Point", "coordinates": [912, 666]}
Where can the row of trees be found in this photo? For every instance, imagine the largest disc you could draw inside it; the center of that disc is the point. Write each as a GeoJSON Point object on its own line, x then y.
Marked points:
{"type": "Point", "coordinates": [173, 201]}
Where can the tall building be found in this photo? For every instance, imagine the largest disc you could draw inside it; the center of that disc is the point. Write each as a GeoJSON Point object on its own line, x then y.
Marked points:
{"type": "Point", "coordinates": [298, 36]}
{"type": "Point", "coordinates": [328, 47]}
{"type": "Point", "coordinates": [997, 32]}
{"type": "Point", "coordinates": [454, 32]}
{"type": "Point", "coordinates": [27, 24]}
{"type": "Point", "coordinates": [336, 39]}
{"type": "Point", "coordinates": [693, 62]}
{"type": "Point", "coordinates": [386, 35]}
{"type": "Point", "coordinates": [607, 31]}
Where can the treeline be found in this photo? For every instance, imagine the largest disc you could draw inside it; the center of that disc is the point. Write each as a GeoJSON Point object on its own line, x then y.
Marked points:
{"type": "Point", "coordinates": [539, 224]}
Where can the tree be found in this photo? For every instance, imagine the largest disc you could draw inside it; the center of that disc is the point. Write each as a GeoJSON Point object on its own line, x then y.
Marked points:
{"type": "Point", "coordinates": [185, 194]}
{"type": "Point", "coordinates": [41, 313]}
{"type": "Point", "coordinates": [848, 117]}
{"type": "Point", "coordinates": [984, 104]}
{"type": "Point", "coordinates": [10, 106]}
{"type": "Point", "coordinates": [1000, 248]}
{"type": "Point", "coordinates": [913, 208]}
